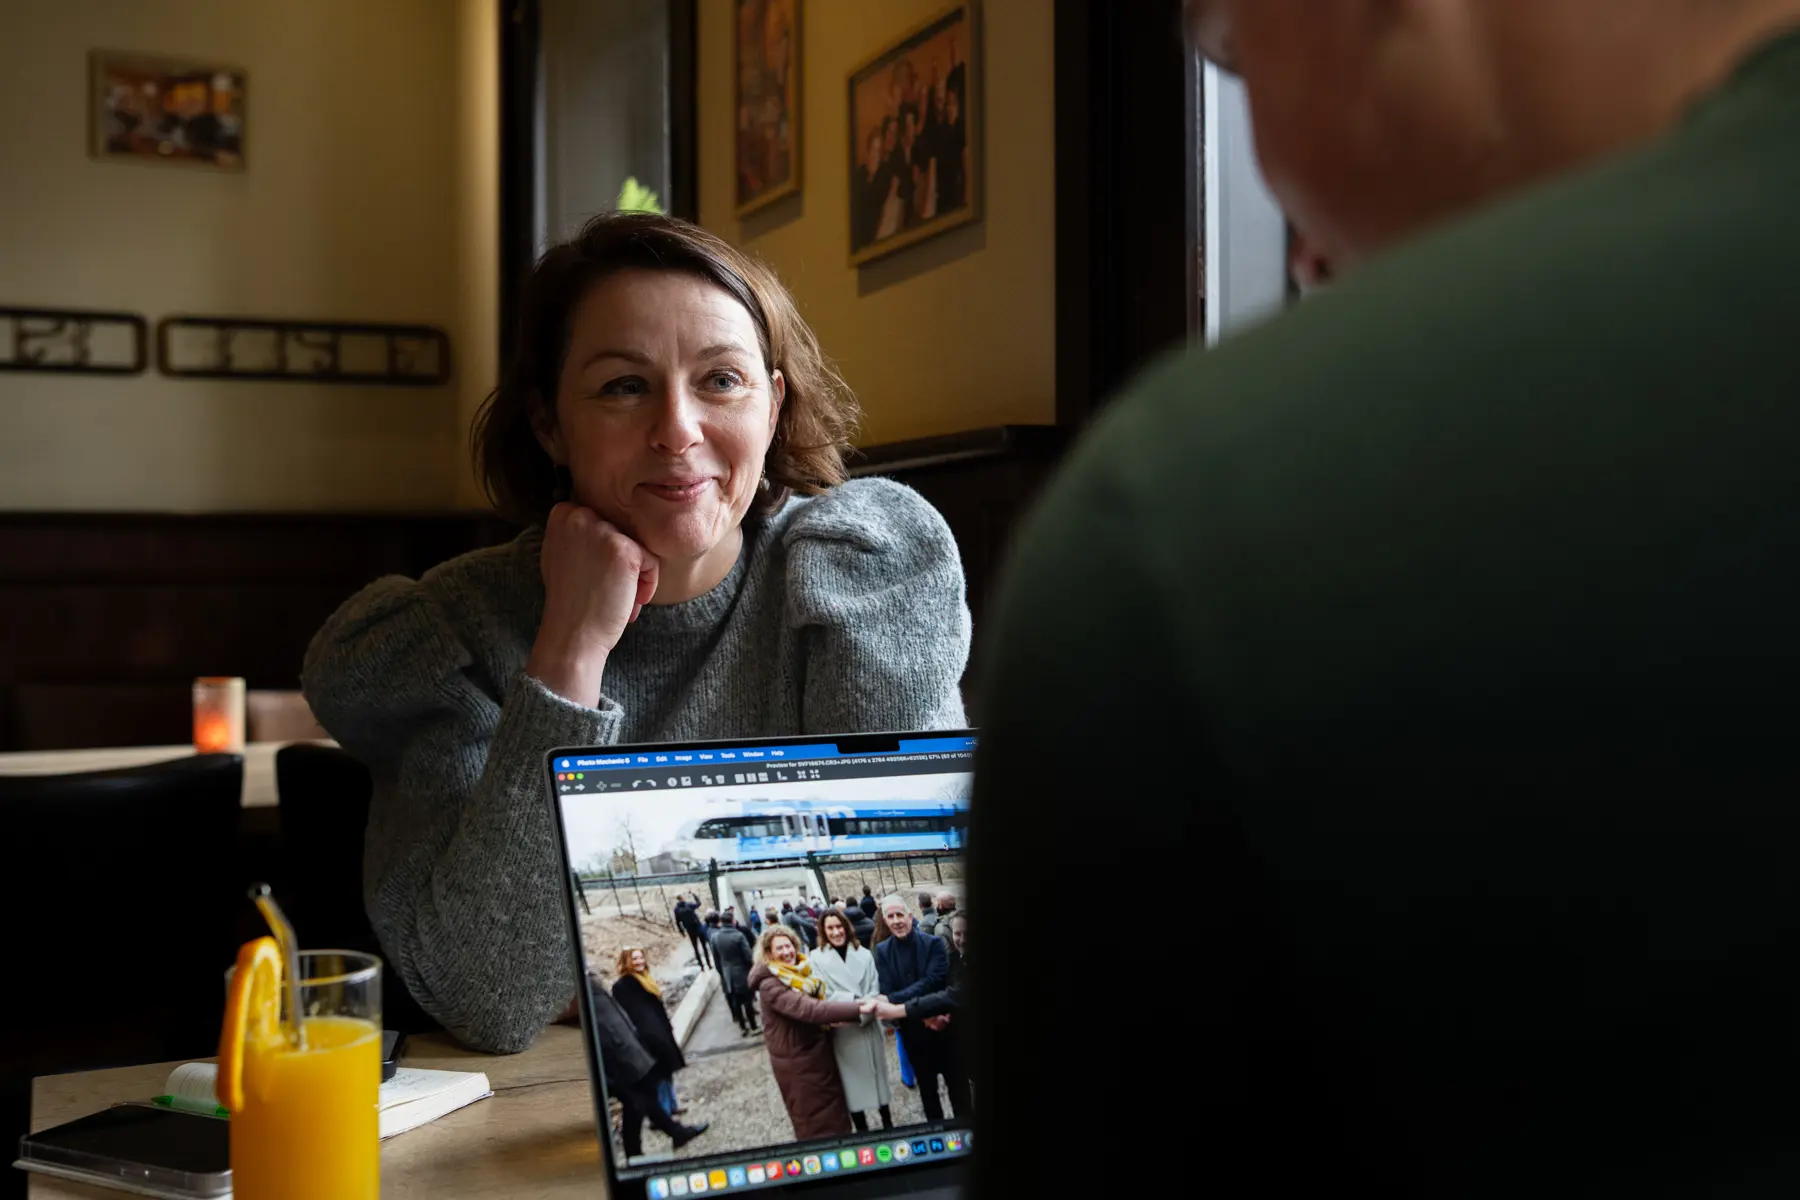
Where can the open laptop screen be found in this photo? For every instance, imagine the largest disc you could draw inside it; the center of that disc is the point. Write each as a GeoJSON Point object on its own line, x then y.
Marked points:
{"type": "Point", "coordinates": [790, 830]}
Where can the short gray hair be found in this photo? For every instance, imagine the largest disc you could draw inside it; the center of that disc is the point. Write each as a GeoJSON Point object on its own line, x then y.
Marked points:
{"type": "Point", "coordinates": [893, 900]}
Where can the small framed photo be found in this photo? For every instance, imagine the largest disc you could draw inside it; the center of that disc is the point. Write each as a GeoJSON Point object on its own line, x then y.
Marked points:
{"type": "Point", "coordinates": [174, 110]}
{"type": "Point", "coordinates": [915, 159]}
{"type": "Point", "coordinates": [766, 91]}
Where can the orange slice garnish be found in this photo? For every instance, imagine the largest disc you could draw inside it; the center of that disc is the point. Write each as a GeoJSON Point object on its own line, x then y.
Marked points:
{"type": "Point", "coordinates": [252, 1014]}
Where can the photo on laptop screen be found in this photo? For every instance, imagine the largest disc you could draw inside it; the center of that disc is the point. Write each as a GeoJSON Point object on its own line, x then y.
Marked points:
{"type": "Point", "coordinates": [705, 879]}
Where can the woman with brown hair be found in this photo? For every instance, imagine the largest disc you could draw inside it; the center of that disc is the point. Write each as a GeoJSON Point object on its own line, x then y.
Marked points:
{"type": "Point", "coordinates": [849, 972]}
{"type": "Point", "coordinates": [795, 1014]}
{"type": "Point", "coordinates": [694, 566]}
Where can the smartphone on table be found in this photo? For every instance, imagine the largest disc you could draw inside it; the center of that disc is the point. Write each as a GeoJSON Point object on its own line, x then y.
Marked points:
{"type": "Point", "coordinates": [139, 1148]}
{"type": "Point", "coordinates": [393, 1045]}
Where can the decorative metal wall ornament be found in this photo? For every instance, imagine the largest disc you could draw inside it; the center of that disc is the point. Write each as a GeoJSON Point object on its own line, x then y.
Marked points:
{"type": "Point", "coordinates": [302, 351]}
{"type": "Point", "coordinates": [73, 341]}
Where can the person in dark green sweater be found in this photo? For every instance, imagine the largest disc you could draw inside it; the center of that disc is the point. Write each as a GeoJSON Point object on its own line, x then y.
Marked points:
{"type": "Point", "coordinates": [1435, 644]}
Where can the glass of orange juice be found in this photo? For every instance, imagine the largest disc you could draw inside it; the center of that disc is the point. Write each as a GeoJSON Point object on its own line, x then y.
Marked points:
{"type": "Point", "coordinates": [304, 1119]}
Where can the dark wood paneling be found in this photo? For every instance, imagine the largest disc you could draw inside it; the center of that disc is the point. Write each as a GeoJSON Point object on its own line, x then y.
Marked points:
{"type": "Point", "coordinates": [1127, 201]}
{"type": "Point", "coordinates": [983, 482]}
{"type": "Point", "coordinates": [521, 121]}
{"type": "Point", "coordinates": [105, 619]}
{"type": "Point", "coordinates": [684, 106]}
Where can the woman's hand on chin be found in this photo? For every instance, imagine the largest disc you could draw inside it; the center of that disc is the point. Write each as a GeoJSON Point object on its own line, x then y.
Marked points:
{"type": "Point", "coordinates": [596, 582]}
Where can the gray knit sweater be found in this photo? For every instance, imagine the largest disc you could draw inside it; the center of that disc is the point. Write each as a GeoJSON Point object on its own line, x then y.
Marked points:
{"type": "Point", "coordinates": [844, 613]}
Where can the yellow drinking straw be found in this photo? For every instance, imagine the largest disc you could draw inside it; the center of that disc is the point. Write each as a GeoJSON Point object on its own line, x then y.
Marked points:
{"type": "Point", "coordinates": [292, 1025]}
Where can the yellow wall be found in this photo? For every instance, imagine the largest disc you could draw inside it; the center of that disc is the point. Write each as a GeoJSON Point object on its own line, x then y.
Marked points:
{"type": "Point", "coordinates": [955, 333]}
{"type": "Point", "coordinates": [477, 226]}
{"type": "Point", "coordinates": [348, 210]}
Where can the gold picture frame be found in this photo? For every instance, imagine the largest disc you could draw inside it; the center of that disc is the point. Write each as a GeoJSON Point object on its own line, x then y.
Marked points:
{"type": "Point", "coordinates": [766, 105]}
{"type": "Point", "coordinates": [162, 109]}
{"type": "Point", "coordinates": [915, 144]}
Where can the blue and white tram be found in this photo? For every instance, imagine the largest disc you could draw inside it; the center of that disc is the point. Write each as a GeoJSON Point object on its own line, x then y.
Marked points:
{"type": "Point", "coordinates": [761, 830]}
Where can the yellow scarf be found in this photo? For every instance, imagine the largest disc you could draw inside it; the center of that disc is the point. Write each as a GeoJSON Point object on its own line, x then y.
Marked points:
{"type": "Point", "coordinates": [800, 977]}
{"type": "Point", "coordinates": [650, 985]}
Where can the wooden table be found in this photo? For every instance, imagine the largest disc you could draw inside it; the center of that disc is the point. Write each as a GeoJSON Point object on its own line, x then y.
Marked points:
{"type": "Point", "coordinates": [259, 764]}
{"type": "Point", "coordinates": [533, 1138]}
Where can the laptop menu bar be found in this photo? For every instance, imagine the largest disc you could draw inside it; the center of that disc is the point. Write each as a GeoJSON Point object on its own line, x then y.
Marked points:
{"type": "Point", "coordinates": [627, 760]}
{"type": "Point", "coordinates": [741, 766]}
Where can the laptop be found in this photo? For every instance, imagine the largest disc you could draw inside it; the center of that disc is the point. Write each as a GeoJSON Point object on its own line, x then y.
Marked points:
{"type": "Point", "coordinates": [763, 824]}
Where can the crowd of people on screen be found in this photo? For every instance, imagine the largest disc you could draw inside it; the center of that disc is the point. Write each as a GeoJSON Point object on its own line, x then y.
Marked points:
{"type": "Point", "coordinates": [825, 984]}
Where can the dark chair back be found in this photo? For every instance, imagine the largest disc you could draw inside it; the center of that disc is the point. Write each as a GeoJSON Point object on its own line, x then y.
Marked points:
{"type": "Point", "coordinates": [324, 794]}
{"type": "Point", "coordinates": [121, 895]}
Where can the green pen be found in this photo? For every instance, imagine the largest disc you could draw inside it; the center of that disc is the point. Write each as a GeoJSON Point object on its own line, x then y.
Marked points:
{"type": "Point", "coordinates": [183, 1104]}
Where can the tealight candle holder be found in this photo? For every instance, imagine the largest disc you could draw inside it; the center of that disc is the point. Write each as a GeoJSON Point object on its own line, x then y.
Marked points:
{"type": "Point", "coordinates": [219, 714]}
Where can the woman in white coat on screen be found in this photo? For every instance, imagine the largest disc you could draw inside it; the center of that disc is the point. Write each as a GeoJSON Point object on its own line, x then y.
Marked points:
{"type": "Point", "coordinates": [849, 973]}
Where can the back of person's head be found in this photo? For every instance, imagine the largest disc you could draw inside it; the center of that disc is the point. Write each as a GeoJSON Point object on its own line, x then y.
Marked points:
{"type": "Point", "coordinates": [818, 413]}
{"type": "Point", "coordinates": [866, 891]}
{"type": "Point", "coordinates": [924, 901]}
{"type": "Point", "coordinates": [712, 917]}
{"type": "Point", "coordinates": [1436, 108]}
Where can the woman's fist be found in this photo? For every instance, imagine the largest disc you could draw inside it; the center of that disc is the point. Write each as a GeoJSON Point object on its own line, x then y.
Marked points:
{"type": "Point", "coordinates": [596, 581]}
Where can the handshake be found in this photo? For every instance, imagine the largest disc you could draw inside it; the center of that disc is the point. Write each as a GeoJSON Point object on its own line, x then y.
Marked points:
{"type": "Point", "coordinates": [878, 1007]}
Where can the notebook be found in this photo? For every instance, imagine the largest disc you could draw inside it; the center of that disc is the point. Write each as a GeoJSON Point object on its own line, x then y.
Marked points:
{"type": "Point", "coordinates": [413, 1097]}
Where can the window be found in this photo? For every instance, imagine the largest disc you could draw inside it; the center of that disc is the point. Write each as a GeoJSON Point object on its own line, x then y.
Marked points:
{"type": "Point", "coordinates": [739, 827]}
{"type": "Point", "coordinates": [605, 114]}
{"type": "Point", "coordinates": [1244, 237]}
{"type": "Point", "coordinates": [886, 826]}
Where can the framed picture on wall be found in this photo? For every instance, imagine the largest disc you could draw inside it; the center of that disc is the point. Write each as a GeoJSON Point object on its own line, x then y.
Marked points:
{"type": "Point", "coordinates": [915, 160]}
{"type": "Point", "coordinates": [174, 110]}
{"type": "Point", "coordinates": [766, 94]}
